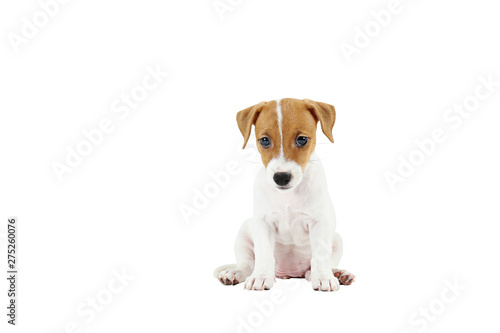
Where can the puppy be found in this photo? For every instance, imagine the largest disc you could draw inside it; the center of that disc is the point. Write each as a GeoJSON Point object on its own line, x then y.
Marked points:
{"type": "Point", "coordinates": [292, 231]}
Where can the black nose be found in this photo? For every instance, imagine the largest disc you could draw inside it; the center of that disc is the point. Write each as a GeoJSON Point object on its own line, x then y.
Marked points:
{"type": "Point", "coordinates": [282, 178]}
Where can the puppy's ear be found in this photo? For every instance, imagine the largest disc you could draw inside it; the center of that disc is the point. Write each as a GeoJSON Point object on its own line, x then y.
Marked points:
{"type": "Point", "coordinates": [324, 113]}
{"type": "Point", "coordinates": [246, 118]}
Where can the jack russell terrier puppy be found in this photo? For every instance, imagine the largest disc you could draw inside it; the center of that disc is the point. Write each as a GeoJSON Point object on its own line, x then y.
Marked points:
{"type": "Point", "coordinates": [292, 231]}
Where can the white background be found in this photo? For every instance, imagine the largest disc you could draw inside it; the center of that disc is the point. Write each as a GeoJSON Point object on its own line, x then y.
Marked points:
{"type": "Point", "coordinates": [119, 209]}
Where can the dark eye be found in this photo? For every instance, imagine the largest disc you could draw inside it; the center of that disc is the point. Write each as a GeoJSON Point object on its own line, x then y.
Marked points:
{"type": "Point", "coordinates": [301, 141]}
{"type": "Point", "coordinates": [265, 142]}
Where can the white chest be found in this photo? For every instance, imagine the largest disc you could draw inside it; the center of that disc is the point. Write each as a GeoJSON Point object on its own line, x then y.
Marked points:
{"type": "Point", "coordinates": [291, 225]}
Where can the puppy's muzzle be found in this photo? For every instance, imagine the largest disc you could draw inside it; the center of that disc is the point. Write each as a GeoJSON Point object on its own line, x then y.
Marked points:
{"type": "Point", "coordinates": [282, 178]}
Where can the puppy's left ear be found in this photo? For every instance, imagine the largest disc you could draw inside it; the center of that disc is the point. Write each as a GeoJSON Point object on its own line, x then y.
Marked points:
{"type": "Point", "coordinates": [246, 118]}
{"type": "Point", "coordinates": [325, 114]}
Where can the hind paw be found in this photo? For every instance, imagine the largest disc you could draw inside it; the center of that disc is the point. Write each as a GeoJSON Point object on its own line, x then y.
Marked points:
{"type": "Point", "coordinates": [345, 277]}
{"type": "Point", "coordinates": [231, 276]}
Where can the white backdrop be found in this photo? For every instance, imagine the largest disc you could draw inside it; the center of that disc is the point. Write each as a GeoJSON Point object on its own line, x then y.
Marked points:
{"type": "Point", "coordinates": [413, 172]}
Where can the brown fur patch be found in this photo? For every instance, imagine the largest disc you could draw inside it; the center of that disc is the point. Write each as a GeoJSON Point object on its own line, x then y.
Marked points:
{"type": "Point", "coordinates": [267, 126]}
{"type": "Point", "coordinates": [297, 121]}
{"type": "Point", "coordinates": [299, 118]}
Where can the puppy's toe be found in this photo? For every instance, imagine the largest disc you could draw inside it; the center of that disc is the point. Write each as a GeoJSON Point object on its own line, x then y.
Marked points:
{"type": "Point", "coordinates": [230, 277]}
{"type": "Point", "coordinates": [345, 277]}
{"type": "Point", "coordinates": [259, 282]}
{"type": "Point", "coordinates": [326, 282]}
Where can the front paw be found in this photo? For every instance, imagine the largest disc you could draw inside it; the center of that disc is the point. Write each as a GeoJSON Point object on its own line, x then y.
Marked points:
{"type": "Point", "coordinates": [259, 282]}
{"type": "Point", "coordinates": [324, 282]}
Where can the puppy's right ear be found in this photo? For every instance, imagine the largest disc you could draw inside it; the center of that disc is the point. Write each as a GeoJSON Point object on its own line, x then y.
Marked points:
{"type": "Point", "coordinates": [325, 114]}
{"type": "Point", "coordinates": [246, 118]}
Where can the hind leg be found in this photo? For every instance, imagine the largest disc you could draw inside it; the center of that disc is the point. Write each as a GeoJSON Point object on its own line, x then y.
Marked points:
{"type": "Point", "coordinates": [345, 277]}
{"type": "Point", "coordinates": [243, 249]}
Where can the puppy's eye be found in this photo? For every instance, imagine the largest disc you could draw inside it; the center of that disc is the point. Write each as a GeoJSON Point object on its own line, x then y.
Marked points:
{"type": "Point", "coordinates": [301, 141]}
{"type": "Point", "coordinates": [265, 142]}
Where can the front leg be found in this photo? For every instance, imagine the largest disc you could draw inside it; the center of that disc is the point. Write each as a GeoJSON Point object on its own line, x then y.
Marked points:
{"type": "Point", "coordinates": [322, 278]}
{"type": "Point", "coordinates": [263, 236]}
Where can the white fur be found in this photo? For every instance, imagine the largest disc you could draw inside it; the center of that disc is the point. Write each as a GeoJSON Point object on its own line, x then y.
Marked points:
{"type": "Point", "coordinates": [280, 125]}
{"type": "Point", "coordinates": [292, 232]}
{"type": "Point", "coordinates": [280, 164]}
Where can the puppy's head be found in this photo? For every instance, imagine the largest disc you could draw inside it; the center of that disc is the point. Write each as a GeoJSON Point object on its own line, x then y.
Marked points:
{"type": "Point", "coordinates": [286, 135]}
